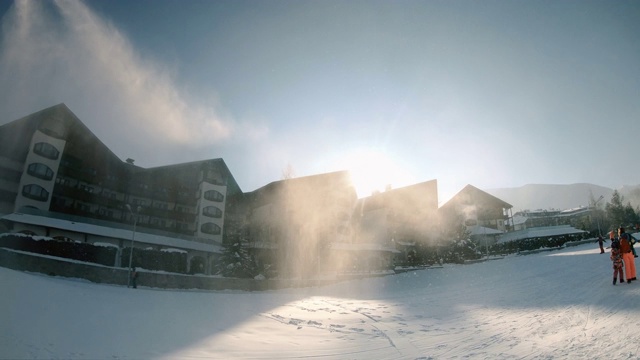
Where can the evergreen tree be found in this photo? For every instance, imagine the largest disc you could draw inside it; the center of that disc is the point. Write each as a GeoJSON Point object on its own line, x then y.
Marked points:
{"type": "Point", "coordinates": [630, 215]}
{"type": "Point", "coordinates": [619, 214]}
{"type": "Point", "coordinates": [615, 210]}
{"type": "Point", "coordinates": [236, 261]}
{"type": "Point", "coordinates": [459, 246]}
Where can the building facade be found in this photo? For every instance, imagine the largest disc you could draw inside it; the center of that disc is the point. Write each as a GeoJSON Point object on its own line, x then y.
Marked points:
{"type": "Point", "coordinates": [475, 207]}
{"type": "Point", "coordinates": [399, 219]}
{"type": "Point", "coordinates": [58, 180]}
{"type": "Point", "coordinates": [53, 167]}
{"type": "Point", "coordinates": [581, 217]}
{"type": "Point", "coordinates": [293, 224]}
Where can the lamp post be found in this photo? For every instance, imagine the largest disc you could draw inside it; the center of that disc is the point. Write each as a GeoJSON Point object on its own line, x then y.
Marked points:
{"type": "Point", "coordinates": [598, 217]}
{"type": "Point", "coordinates": [133, 235]}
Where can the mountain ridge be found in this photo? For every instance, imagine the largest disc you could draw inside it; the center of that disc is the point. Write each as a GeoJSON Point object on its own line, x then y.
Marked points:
{"type": "Point", "coordinates": [563, 196]}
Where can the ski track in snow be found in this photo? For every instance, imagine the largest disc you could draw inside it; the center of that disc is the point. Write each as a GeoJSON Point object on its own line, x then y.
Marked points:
{"type": "Point", "coordinates": [559, 304]}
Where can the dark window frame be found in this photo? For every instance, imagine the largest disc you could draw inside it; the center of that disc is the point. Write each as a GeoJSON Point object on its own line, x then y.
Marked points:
{"type": "Point", "coordinates": [212, 212]}
{"type": "Point", "coordinates": [211, 228]}
{"type": "Point", "coordinates": [37, 169]}
{"type": "Point", "coordinates": [35, 192]}
{"type": "Point", "coordinates": [214, 195]}
{"type": "Point", "coordinates": [46, 150]}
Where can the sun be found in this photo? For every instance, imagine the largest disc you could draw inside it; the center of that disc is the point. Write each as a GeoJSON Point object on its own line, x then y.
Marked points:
{"type": "Point", "coordinates": [373, 170]}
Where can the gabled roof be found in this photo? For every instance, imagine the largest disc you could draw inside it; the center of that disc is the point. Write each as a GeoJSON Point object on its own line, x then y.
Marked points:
{"type": "Point", "coordinates": [415, 194]}
{"type": "Point", "coordinates": [190, 168]}
{"type": "Point", "coordinates": [267, 193]}
{"type": "Point", "coordinates": [84, 145]}
{"type": "Point", "coordinates": [472, 195]}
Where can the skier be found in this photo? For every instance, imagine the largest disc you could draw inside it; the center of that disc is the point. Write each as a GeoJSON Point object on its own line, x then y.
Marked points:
{"type": "Point", "coordinates": [134, 278]}
{"type": "Point", "coordinates": [616, 258]}
{"type": "Point", "coordinates": [601, 244]}
{"type": "Point", "coordinates": [632, 241]}
{"type": "Point", "coordinates": [627, 255]}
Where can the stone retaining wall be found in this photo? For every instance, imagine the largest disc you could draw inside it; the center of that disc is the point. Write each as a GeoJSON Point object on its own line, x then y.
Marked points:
{"type": "Point", "coordinates": [118, 276]}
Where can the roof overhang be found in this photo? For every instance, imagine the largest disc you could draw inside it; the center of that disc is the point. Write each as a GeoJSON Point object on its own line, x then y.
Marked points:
{"type": "Point", "coordinates": [547, 231]}
{"type": "Point", "coordinates": [113, 233]}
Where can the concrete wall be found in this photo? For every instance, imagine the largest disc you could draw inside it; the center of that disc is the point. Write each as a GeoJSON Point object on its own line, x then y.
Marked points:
{"type": "Point", "coordinates": [110, 275]}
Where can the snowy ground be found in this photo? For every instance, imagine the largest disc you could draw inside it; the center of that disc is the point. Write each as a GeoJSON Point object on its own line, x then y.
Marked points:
{"type": "Point", "coordinates": [558, 304]}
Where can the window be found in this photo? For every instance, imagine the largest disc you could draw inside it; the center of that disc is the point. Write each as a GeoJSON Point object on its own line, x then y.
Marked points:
{"type": "Point", "coordinates": [212, 211]}
{"type": "Point", "coordinates": [35, 192]}
{"type": "Point", "coordinates": [213, 195]}
{"type": "Point", "coordinates": [82, 207]}
{"type": "Point", "coordinates": [138, 202]}
{"type": "Point", "coordinates": [161, 206]}
{"type": "Point", "coordinates": [47, 150]}
{"type": "Point", "coordinates": [90, 171]}
{"type": "Point", "coordinates": [63, 181]}
{"type": "Point", "coordinates": [41, 171]}
{"type": "Point", "coordinates": [211, 228]}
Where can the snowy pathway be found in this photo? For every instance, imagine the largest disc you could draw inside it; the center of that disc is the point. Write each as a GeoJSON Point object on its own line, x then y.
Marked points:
{"type": "Point", "coordinates": [558, 304]}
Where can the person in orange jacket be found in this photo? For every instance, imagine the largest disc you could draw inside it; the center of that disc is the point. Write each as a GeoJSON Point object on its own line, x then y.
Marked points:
{"type": "Point", "coordinates": [627, 255]}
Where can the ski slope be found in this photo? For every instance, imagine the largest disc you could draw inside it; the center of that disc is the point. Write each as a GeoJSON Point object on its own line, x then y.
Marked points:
{"type": "Point", "coordinates": [557, 304]}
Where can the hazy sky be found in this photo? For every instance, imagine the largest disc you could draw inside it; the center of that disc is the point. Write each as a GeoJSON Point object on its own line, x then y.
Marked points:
{"type": "Point", "coordinates": [488, 93]}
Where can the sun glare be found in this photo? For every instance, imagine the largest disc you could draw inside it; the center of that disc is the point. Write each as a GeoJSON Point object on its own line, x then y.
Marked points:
{"type": "Point", "coordinates": [372, 170]}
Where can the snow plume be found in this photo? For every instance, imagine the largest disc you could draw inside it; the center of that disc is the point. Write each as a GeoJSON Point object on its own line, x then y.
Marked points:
{"type": "Point", "coordinates": [64, 52]}
{"type": "Point", "coordinates": [469, 212]}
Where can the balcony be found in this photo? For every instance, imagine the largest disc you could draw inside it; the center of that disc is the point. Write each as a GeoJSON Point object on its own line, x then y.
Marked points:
{"type": "Point", "coordinates": [73, 193]}
{"type": "Point", "coordinates": [170, 214]}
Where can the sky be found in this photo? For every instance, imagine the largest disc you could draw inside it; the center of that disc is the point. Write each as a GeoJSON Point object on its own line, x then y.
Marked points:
{"type": "Point", "coordinates": [494, 93]}
{"type": "Point", "coordinates": [552, 305]}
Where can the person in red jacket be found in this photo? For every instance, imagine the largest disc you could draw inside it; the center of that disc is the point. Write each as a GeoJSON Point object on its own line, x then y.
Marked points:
{"type": "Point", "coordinates": [627, 255]}
{"type": "Point", "coordinates": [616, 257]}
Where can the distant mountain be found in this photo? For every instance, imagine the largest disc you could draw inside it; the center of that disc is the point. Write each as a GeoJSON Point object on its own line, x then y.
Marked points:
{"type": "Point", "coordinates": [560, 197]}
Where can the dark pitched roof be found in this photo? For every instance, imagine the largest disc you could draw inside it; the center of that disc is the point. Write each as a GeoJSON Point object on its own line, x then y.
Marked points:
{"type": "Point", "coordinates": [475, 196]}
{"type": "Point", "coordinates": [405, 195]}
{"type": "Point", "coordinates": [84, 149]}
{"type": "Point", "coordinates": [267, 193]}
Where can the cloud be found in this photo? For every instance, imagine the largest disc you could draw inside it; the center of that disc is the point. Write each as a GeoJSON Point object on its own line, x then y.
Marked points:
{"type": "Point", "coordinates": [63, 52]}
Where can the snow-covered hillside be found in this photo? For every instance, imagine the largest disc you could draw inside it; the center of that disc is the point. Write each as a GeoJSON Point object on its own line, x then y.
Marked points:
{"type": "Point", "coordinates": [558, 304]}
{"type": "Point", "coordinates": [551, 196]}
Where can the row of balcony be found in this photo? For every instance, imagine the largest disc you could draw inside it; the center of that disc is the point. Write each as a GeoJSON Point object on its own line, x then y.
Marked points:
{"type": "Point", "coordinates": [70, 210]}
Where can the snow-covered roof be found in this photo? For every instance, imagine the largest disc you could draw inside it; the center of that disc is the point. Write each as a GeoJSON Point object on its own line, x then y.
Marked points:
{"type": "Point", "coordinates": [539, 232]}
{"type": "Point", "coordinates": [519, 219]}
{"type": "Point", "coordinates": [481, 230]}
{"type": "Point", "coordinates": [114, 233]}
